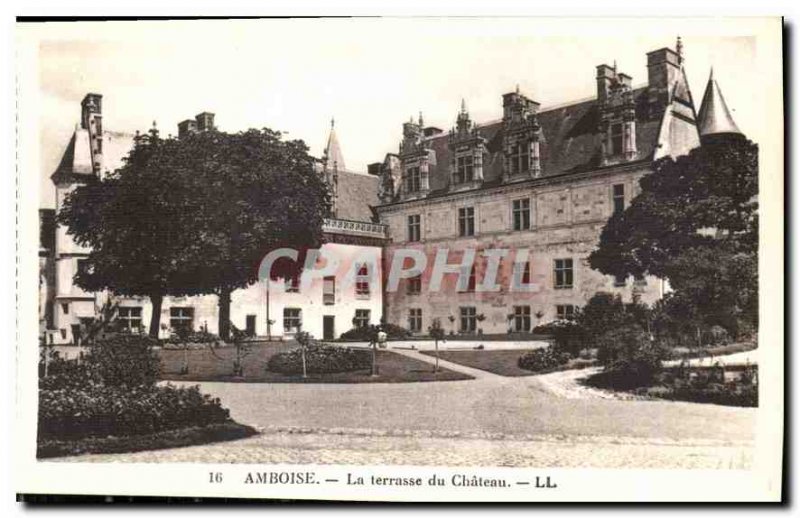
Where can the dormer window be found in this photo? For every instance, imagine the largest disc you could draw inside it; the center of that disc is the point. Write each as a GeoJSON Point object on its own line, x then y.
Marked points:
{"type": "Point", "coordinates": [465, 169]}
{"type": "Point", "coordinates": [520, 158]}
{"type": "Point", "coordinates": [413, 179]}
{"type": "Point", "coordinates": [616, 138]}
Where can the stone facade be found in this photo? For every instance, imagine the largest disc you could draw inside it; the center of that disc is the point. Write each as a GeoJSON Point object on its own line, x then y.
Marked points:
{"type": "Point", "coordinates": [541, 180]}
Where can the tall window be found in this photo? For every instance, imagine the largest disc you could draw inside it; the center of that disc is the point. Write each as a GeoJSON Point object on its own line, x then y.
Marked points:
{"type": "Point", "coordinates": [414, 285]}
{"type": "Point", "coordinates": [83, 266]}
{"type": "Point", "coordinates": [521, 212]}
{"type": "Point", "coordinates": [130, 318]}
{"type": "Point", "coordinates": [619, 198]}
{"type": "Point", "coordinates": [466, 221]}
{"type": "Point", "coordinates": [329, 290]}
{"type": "Point", "coordinates": [362, 318]}
{"type": "Point", "coordinates": [292, 320]}
{"type": "Point", "coordinates": [413, 182]}
{"type": "Point", "coordinates": [181, 318]}
{"type": "Point", "coordinates": [415, 320]}
{"type": "Point", "coordinates": [291, 284]}
{"type": "Point", "coordinates": [526, 273]}
{"type": "Point", "coordinates": [362, 281]}
{"type": "Point", "coordinates": [469, 319]}
{"type": "Point", "coordinates": [520, 158]}
{"type": "Point", "coordinates": [465, 169]}
{"type": "Point", "coordinates": [565, 312]}
{"type": "Point", "coordinates": [522, 319]}
{"type": "Point", "coordinates": [563, 273]}
{"type": "Point", "coordinates": [414, 227]}
{"type": "Point", "coordinates": [616, 138]}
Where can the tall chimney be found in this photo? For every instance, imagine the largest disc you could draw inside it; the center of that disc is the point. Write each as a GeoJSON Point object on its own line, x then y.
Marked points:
{"type": "Point", "coordinates": [663, 67]}
{"type": "Point", "coordinates": [205, 121]}
{"type": "Point", "coordinates": [605, 76]}
{"type": "Point", "coordinates": [92, 121]}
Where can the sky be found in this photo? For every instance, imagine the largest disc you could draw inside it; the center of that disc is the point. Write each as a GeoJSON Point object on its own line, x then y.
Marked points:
{"type": "Point", "coordinates": [370, 74]}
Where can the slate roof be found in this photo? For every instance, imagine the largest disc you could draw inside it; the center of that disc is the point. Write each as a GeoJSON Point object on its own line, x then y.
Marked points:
{"type": "Point", "coordinates": [570, 142]}
{"type": "Point", "coordinates": [357, 193]}
{"type": "Point", "coordinates": [76, 162]}
{"type": "Point", "coordinates": [714, 118]}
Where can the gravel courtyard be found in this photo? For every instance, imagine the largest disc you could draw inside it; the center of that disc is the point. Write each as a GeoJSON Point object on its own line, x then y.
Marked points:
{"type": "Point", "coordinates": [490, 420]}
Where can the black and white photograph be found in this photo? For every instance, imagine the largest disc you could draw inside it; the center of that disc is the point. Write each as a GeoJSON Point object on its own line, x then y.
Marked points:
{"type": "Point", "coordinates": [402, 259]}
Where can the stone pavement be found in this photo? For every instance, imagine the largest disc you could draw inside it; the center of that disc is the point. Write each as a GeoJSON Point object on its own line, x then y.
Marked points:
{"type": "Point", "coordinates": [489, 420]}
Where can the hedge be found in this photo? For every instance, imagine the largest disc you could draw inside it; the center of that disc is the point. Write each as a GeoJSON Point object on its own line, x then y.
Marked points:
{"type": "Point", "coordinates": [544, 359]}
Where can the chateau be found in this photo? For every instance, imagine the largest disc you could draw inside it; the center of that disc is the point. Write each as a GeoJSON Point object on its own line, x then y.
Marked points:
{"type": "Point", "coordinates": [542, 180]}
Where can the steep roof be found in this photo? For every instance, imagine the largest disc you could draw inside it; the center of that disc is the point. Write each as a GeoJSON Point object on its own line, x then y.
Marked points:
{"type": "Point", "coordinates": [76, 162]}
{"type": "Point", "coordinates": [714, 118]}
{"type": "Point", "coordinates": [357, 194]}
{"type": "Point", "coordinates": [333, 151]}
{"type": "Point", "coordinates": [569, 143]}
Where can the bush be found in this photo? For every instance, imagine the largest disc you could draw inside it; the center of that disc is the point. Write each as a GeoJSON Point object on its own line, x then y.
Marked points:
{"type": "Point", "coordinates": [320, 359]}
{"type": "Point", "coordinates": [102, 410]}
{"type": "Point", "coordinates": [195, 339]}
{"type": "Point", "coordinates": [124, 360]}
{"type": "Point", "coordinates": [568, 336]}
{"type": "Point", "coordinates": [364, 333]}
{"type": "Point", "coordinates": [630, 358]}
{"type": "Point", "coordinates": [543, 359]}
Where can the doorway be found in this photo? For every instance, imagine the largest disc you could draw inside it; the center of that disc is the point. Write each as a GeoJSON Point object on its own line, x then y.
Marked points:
{"type": "Point", "coordinates": [250, 325]}
{"type": "Point", "coordinates": [328, 327]}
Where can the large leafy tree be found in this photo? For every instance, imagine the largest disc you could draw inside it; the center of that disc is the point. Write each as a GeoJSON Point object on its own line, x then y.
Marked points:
{"type": "Point", "coordinates": [195, 215]}
{"type": "Point", "coordinates": [694, 223]}
{"type": "Point", "coordinates": [252, 192]}
{"type": "Point", "coordinates": [133, 225]}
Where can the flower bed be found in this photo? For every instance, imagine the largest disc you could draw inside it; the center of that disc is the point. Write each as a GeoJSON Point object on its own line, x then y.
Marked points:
{"type": "Point", "coordinates": [544, 359]}
{"type": "Point", "coordinates": [320, 359]}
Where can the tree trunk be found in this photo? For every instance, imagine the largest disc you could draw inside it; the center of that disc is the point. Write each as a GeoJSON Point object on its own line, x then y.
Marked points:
{"type": "Point", "coordinates": [155, 318]}
{"type": "Point", "coordinates": [224, 314]}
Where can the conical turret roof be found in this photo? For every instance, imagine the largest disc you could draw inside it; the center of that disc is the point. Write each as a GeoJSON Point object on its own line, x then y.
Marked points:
{"type": "Point", "coordinates": [714, 117]}
{"type": "Point", "coordinates": [333, 152]}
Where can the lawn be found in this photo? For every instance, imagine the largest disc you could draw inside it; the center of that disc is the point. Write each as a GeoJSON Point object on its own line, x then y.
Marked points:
{"type": "Point", "coordinates": [205, 365]}
{"type": "Point", "coordinates": [502, 362]}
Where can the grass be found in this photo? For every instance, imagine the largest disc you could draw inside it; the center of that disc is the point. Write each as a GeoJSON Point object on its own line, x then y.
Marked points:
{"type": "Point", "coordinates": [205, 365]}
{"type": "Point", "coordinates": [502, 362]}
{"type": "Point", "coordinates": [48, 448]}
{"type": "Point", "coordinates": [719, 350]}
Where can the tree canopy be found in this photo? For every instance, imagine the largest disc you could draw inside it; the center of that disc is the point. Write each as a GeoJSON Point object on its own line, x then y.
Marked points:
{"type": "Point", "coordinates": [694, 223]}
{"type": "Point", "coordinates": [196, 214]}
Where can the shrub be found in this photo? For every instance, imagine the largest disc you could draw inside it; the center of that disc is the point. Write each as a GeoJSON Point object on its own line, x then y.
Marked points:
{"type": "Point", "coordinates": [124, 360]}
{"type": "Point", "coordinates": [543, 359]}
{"type": "Point", "coordinates": [198, 339]}
{"type": "Point", "coordinates": [568, 336]}
{"type": "Point", "coordinates": [320, 359]}
{"type": "Point", "coordinates": [364, 333]}
{"type": "Point", "coordinates": [630, 358]}
{"type": "Point", "coordinates": [102, 410]}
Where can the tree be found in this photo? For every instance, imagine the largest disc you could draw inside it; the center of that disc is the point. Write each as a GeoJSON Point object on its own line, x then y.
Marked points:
{"type": "Point", "coordinates": [133, 224]}
{"type": "Point", "coordinates": [253, 192]}
{"type": "Point", "coordinates": [694, 223]}
{"type": "Point", "coordinates": [437, 333]}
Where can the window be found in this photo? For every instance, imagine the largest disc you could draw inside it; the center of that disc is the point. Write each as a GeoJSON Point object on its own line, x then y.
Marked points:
{"type": "Point", "coordinates": [520, 158]}
{"type": "Point", "coordinates": [292, 320]}
{"type": "Point", "coordinates": [471, 281]}
{"type": "Point", "coordinates": [362, 318]}
{"type": "Point", "coordinates": [412, 179]}
{"type": "Point", "coordinates": [465, 169]}
{"type": "Point", "coordinates": [619, 198]}
{"type": "Point", "coordinates": [414, 285]}
{"type": "Point", "coordinates": [362, 281]}
{"type": "Point", "coordinates": [563, 273]}
{"type": "Point", "coordinates": [83, 266]}
{"type": "Point", "coordinates": [640, 280]}
{"type": "Point", "coordinates": [469, 319]}
{"type": "Point", "coordinates": [616, 139]}
{"type": "Point", "coordinates": [414, 227]}
{"type": "Point", "coordinates": [522, 319]}
{"type": "Point", "coordinates": [181, 318]}
{"type": "Point", "coordinates": [466, 221]}
{"type": "Point", "coordinates": [291, 284]}
{"type": "Point", "coordinates": [521, 210]}
{"type": "Point", "coordinates": [415, 320]}
{"type": "Point", "coordinates": [620, 280]}
{"type": "Point", "coordinates": [130, 318]}
{"type": "Point", "coordinates": [329, 290]}
{"type": "Point", "coordinates": [565, 312]}
{"type": "Point", "coordinates": [65, 308]}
